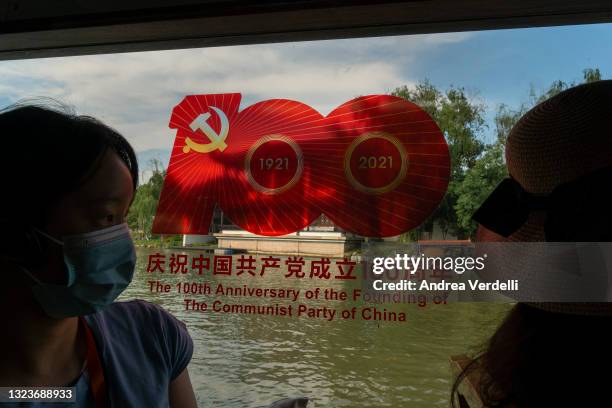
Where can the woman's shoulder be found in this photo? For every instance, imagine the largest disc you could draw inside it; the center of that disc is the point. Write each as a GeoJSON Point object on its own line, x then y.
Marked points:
{"type": "Point", "coordinates": [137, 315]}
{"type": "Point", "coordinates": [140, 325]}
{"type": "Point", "coordinates": [134, 305]}
{"type": "Point", "coordinates": [139, 307]}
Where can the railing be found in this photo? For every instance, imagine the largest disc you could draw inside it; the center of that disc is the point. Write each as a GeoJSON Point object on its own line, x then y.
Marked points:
{"type": "Point", "coordinates": [468, 387]}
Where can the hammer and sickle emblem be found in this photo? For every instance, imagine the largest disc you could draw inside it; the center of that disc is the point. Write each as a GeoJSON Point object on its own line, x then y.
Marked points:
{"type": "Point", "coordinates": [217, 140]}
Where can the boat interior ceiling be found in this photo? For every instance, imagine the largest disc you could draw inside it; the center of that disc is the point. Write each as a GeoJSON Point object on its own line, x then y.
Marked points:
{"type": "Point", "coordinates": [35, 29]}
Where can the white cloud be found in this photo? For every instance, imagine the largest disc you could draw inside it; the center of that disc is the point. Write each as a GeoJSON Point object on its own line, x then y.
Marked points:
{"type": "Point", "coordinates": [135, 92]}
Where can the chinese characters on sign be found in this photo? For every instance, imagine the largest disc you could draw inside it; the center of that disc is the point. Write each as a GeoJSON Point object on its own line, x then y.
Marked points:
{"type": "Point", "coordinates": [290, 267]}
{"type": "Point", "coordinates": [296, 267]}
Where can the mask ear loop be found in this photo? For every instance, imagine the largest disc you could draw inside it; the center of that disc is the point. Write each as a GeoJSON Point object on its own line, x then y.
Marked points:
{"type": "Point", "coordinates": [52, 238]}
{"type": "Point", "coordinates": [34, 243]}
{"type": "Point", "coordinates": [29, 274]}
{"type": "Point", "coordinates": [31, 248]}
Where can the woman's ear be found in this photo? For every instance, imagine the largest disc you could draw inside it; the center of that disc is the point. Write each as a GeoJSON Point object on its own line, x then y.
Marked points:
{"type": "Point", "coordinates": [21, 243]}
{"type": "Point", "coordinates": [12, 276]}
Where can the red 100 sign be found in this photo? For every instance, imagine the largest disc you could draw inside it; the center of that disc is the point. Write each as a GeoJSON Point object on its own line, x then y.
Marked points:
{"type": "Point", "coordinates": [377, 166]}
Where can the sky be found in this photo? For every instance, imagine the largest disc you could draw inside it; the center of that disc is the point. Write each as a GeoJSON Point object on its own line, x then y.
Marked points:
{"type": "Point", "coordinates": [135, 92]}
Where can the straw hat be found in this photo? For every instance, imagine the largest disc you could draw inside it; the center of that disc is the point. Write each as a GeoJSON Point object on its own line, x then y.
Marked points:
{"type": "Point", "coordinates": [559, 158]}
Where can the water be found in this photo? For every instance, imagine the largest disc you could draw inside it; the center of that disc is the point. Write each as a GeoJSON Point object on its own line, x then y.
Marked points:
{"type": "Point", "coordinates": [245, 360]}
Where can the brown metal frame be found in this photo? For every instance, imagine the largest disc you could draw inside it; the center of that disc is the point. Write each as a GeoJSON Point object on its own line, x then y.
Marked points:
{"type": "Point", "coordinates": [35, 29]}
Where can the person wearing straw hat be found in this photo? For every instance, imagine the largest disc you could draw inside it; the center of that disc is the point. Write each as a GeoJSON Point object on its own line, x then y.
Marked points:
{"type": "Point", "coordinates": [559, 160]}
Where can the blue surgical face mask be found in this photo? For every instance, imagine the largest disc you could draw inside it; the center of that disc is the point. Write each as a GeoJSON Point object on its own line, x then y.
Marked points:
{"type": "Point", "coordinates": [99, 266]}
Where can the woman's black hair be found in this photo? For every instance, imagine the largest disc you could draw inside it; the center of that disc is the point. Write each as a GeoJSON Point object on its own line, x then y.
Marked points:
{"type": "Point", "coordinates": [48, 151]}
{"type": "Point", "coordinates": [538, 358]}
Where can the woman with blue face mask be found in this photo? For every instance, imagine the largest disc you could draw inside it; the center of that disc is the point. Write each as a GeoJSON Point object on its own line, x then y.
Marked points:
{"type": "Point", "coordinates": [65, 255]}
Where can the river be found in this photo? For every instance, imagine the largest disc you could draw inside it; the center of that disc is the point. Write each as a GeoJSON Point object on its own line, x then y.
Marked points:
{"type": "Point", "coordinates": [247, 360]}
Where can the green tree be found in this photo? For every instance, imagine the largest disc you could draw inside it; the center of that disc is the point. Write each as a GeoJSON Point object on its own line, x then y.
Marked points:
{"type": "Point", "coordinates": [140, 217]}
{"type": "Point", "coordinates": [478, 183]}
{"type": "Point", "coordinates": [504, 121]}
{"type": "Point", "coordinates": [588, 75]}
{"type": "Point", "coordinates": [460, 117]}
{"type": "Point", "coordinates": [591, 75]}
